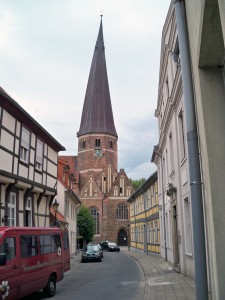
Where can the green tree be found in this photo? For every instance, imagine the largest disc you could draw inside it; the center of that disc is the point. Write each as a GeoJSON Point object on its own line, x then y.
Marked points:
{"type": "Point", "coordinates": [85, 224]}
{"type": "Point", "coordinates": [136, 183]}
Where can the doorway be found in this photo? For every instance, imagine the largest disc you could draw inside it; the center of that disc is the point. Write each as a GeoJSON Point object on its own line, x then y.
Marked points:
{"type": "Point", "coordinates": [122, 238]}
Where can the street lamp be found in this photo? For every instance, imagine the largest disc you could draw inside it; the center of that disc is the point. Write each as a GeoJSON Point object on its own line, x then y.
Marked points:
{"type": "Point", "coordinates": [55, 207]}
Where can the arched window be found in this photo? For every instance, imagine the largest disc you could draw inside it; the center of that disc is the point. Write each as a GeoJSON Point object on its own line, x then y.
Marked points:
{"type": "Point", "coordinates": [122, 211]}
{"type": "Point", "coordinates": [95, 215]}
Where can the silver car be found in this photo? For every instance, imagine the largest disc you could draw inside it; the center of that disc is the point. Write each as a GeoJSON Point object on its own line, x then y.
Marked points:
{"type": "Point", "coordinates": [91, 253]}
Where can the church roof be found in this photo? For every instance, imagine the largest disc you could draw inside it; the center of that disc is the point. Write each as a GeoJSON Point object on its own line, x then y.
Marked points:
{"type": "Point", "coordinates": [97, 115]}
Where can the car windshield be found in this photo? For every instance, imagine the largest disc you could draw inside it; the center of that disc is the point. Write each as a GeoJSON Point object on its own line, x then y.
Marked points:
{"type": "Point", "coordinates": [92, 248]}
{"type": "Point", "coordinates": [112, 245]}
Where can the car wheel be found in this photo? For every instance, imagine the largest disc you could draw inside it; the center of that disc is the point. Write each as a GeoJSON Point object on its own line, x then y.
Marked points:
{"type": "Point", "coordinates": [100, 259]}
{"type": "Point", "coordinates": [49, 290]}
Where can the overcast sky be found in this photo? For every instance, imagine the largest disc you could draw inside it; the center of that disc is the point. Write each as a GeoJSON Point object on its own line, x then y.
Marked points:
{"type": "Point", "coordinates": [46, 49]}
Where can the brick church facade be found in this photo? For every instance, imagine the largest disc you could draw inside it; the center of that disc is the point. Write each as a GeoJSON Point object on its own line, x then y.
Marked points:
{"type": "Point", "coordinates": [99, 184]}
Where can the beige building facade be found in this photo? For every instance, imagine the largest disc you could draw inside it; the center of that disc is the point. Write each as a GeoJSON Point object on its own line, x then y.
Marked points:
{"type": "Point", "coordinates": [170, 156]}
{"type": "Point", "coordinates": [200, 52]}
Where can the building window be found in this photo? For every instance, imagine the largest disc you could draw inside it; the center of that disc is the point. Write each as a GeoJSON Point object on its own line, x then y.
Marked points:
{"type": "Point", "coordinates": [156, 231]}
{"type": "Point", "coordinates": [111, 144]}
{"type": "Point", "coordinates": [39, 155]}
{"type": "Point", "coordinates": [25, 145]}
{"type": "Point", "coordinates": [28, 212]}
{"type": "Point", "coordinates": [122, 211]}
{"type": "Point", "coordinates": [187, 227]}
{"type": "Point", "coordinates": [84, 144]}
{"type": "Point", "coordinates": [181, 135]}
{"type": "Point", "coordinates": [97, 143]}
{"type": "Point", "coordinates": [176, 53]}
{"type": "Point", "coordinates": [12, 210]}
{"type": "Point", "coordinates": [67, 208]}
{"type": "Point", "coordinates": [171, 153]}
{"type": "Point", "coordinates": [95, 216]}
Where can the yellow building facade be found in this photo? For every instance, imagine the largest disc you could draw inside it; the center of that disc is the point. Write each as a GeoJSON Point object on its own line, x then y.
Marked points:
{"type": "Point", "coordinates": [144, 217]}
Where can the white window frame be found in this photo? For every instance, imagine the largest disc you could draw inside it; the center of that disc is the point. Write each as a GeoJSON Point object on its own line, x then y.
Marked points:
{"type": "Point", "coordinates": [12, 209]}
{"type": "Point", "coordinates": [188, 227]}
{"type": "Point", "coordinates": [28, 209]}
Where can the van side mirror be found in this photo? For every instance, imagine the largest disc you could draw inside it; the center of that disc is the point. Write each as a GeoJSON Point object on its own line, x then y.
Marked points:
{"type": "Point", "coordinates": [2, 259]}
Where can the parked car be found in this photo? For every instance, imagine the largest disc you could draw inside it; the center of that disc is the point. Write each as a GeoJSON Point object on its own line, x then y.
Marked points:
{"type": "Point", "coordinates": [99, 246]}
{"type": "Point", "coordinates": [104, 245]}
{"type": "Point", "coordinates": [112, 247]}
{"type": "Point", "coordinates": [91, 253]}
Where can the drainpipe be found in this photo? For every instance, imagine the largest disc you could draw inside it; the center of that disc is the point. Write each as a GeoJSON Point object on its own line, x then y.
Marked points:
{"type": "Point", "coordinates": [163, 207]}
{"type": "Point", "coordinates": [158, 153]}
{"type": "Point", "coordinates": [193, 155]}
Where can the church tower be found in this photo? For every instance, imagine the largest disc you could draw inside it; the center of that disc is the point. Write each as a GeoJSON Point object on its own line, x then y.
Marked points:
{"type": "Point", "coordinates": [101, 187]}
{"type": "Point", "coordinates": [97, 136]}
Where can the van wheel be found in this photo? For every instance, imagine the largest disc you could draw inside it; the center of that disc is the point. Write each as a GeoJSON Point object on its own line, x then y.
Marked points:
{"type": "Point", "coordinates": [49, 290]}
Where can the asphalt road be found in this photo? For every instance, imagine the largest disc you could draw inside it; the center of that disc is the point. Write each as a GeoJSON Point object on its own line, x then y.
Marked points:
{"type": "Point", "coordinates": [117, 277]}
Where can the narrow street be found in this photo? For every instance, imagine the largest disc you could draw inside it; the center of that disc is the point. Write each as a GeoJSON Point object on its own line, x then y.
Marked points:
{"type": "Point", "coordinates": [122, 276]}
{"type": "Point", "coordinates": [118, 276]}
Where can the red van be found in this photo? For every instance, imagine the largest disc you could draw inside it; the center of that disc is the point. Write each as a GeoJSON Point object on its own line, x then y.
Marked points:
{"type": "Point", "coordinates": [32, 259]}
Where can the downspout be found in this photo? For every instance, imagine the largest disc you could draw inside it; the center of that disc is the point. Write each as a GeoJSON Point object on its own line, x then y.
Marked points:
{"type": "Point", "coordinates": [193, 155]}
{"type": "Point", "coordinates": [163, 207]}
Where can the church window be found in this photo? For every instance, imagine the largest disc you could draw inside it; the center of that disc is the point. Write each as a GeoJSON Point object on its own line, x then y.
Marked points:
{"type": "Point", "coordinates": [121, 190]}
{"type": "Point", "coordinates": [122, 211]}
{"type": "Point", "coordinates": [95, 215]}
{"type": "Point", "coordinates": [97, 143]}
{"type": "Point", "coordinates": [104, 178]}
{"type": "Point", "coordinates": [84, 144]}
{"type": "Point", "coordinates": [111, 144]}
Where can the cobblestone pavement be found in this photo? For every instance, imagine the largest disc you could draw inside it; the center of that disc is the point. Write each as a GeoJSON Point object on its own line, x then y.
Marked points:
{"type": "Point", "coordinates": [161, 281]}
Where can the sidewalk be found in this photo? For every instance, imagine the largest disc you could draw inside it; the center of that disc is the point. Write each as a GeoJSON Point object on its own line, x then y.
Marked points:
{"type": "Point", "coordinates": [161, 281]}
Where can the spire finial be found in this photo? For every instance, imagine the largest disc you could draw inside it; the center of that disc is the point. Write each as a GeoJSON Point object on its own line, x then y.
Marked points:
{"type": "Point", "coordinates": [101, 13]}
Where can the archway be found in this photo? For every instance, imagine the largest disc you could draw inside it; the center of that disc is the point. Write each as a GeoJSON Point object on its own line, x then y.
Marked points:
{"type": "Point", "coordinates": [122, 238]}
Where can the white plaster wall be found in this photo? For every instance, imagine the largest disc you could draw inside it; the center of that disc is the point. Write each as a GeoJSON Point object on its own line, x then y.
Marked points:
{"type": "Point", "coordinates": [7, 140]}
{"type": "Point", "coordinates": [5, 161]}
{"type": "Point", "coordinates": [8, 121]}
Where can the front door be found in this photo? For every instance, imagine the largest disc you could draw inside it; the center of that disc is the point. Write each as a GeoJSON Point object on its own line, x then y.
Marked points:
{"type": "Point", "coordinates": [122, 238]}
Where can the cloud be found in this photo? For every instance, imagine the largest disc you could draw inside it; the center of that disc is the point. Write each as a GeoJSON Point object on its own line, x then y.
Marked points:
{"type": "Point", "coordinates": [45, 57]}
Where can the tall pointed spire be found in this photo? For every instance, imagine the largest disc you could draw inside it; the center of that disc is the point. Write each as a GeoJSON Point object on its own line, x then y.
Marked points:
{"type": "Point", "coordinates": [97, 115]}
